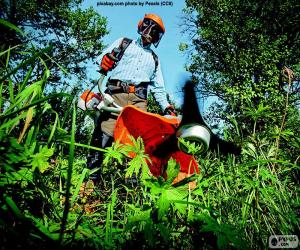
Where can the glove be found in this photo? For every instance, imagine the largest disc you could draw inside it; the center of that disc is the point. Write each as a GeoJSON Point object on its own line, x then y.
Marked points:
{"type": "Point", "coordinates": [107, 63]}
{"type": "Point", "coordinates": [170, 110]}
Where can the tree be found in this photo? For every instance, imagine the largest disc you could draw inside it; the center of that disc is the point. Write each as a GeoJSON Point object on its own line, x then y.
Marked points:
{"type": "Point", "coordinates": [241, 48]}
{"type": "Point", "coordinates": [73, 34]}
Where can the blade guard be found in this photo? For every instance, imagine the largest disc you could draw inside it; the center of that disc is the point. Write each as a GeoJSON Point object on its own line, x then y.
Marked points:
{"type": "Point", "coordinates": [194, 133]}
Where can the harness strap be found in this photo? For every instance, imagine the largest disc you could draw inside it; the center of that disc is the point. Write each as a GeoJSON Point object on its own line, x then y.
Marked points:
{"type": "Point", "coordinates": [117, 86]}
{"type": "Point", "coordinates": [155, 60]}
{"type": "Point", "coordinates": [123, 46]}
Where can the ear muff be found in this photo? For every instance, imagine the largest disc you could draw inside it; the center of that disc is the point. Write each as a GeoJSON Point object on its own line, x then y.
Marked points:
{"type": "Point", "coordinates": [140, 24]}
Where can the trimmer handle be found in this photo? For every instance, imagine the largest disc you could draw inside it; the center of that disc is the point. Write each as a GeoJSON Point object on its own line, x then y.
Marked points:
{"type": "Point", "coordinates": [102, 72]}
{"type": "Point", "coordinates": [108, 102]}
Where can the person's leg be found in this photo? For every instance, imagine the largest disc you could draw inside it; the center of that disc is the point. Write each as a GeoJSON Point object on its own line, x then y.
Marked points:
{"type": "Point", "coordinates": [138, 102]}
{"type": "Point", "coordinates": [103, 135]}
{"type": "Point", "coordinates": [95, 157]}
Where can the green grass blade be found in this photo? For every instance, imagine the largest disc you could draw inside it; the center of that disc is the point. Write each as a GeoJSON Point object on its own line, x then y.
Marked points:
{"type": "Point", "coordinates": [1, 98]}
{"type": "Point", "coordinates": [63, 69]}
{"type": "Point", "coordinates": [7, 58]}
{"type": "Point", "coordinates": [69, 176]}
{"type": "Point", "coordinates": [4, 116]}
{"type": "Point", "coordinates": [11, 91]}
{"type": "Point", "coordinates": [29, 136]}
{"type": "Point", "coordinates": [53, 128]}
{"type": "Point", "coordinates": [25, 81]}
{"type": "Point", "coordinates": [12, 122]}
{"type": "Point", "coordinates": [26, 62]}
{"type": "Point", "coordinates": [26, 96]}
{"type": "Point", "coordinates": [85, 146]}
{"type": "Point", "coordinates": [109, 218]}
{"type": "Point", "coordinates": [11, 26]}
{"type": "Point", "coordinates": [8, 50]}
{"type": "Point", "coordinates": [82, 176]}
{"type": "Point", "coordinates": [12, 205]}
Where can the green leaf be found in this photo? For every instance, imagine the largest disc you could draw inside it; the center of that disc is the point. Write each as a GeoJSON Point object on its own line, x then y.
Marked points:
{"type": "Point", "coordinates": [44, 230]}
{"type": "Point", "coordinates": [165, 232]}
{"type": "Point", "coordinates": [138, 215]}
{"type": "Point", "coordinates": [163, 204]}
{"type": "Point", "coordinates": [117, 151]}
{"type": "Point", "coordinates": [79, 184]}
{"type": "Point", "coordinates": [175, 194]}
{"type": "Point", "coordinates": [40, 159]}
{"type": "Point", "coordinates": [139, 161]}
{"type": "Point", "coordinates": [173, 169]}
{"type": "Point", "coordinates": [11, 26]}
{"type": "Point", "coordinates": [149, 233]}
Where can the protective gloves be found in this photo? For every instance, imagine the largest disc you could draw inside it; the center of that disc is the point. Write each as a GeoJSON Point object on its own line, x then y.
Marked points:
{"type": "Point", "coordinates": [107, 63]}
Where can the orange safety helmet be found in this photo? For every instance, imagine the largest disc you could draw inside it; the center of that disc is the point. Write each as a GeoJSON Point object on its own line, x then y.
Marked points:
{"type": "Point", "coordinates": [152, 25]}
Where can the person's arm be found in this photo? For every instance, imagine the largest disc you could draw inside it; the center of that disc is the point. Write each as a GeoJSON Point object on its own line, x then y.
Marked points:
{"type": "Point", "coordinates": [109, 49]}
{"type": "Point", "coordinates": [106, 51]}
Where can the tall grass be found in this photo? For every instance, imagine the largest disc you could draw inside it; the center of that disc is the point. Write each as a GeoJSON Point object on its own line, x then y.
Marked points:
{"type": "Point", "coordinates": [237, 203]}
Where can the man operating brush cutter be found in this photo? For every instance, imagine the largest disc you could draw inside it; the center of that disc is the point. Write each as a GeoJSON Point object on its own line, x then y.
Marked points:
{"type": "Point", "coordinates": [134, 70]}
{"type": "Point", "coordinates": [162, 134]}
{"type": "Point", "coordinates": [159, 133]}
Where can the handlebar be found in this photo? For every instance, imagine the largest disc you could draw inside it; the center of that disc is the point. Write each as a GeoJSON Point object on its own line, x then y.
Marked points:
{"type": "Point", "coordinates": [108, 103]}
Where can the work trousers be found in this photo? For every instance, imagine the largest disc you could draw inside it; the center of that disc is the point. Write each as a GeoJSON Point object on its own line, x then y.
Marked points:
{"type": "Point", "coordinates": [122, 99]}
{"type": "Point", "coordinates": [104, 128]}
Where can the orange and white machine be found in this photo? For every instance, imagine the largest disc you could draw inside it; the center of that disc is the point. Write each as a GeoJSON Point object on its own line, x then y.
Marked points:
{"type": "Point", "coordinates": [160, 134]}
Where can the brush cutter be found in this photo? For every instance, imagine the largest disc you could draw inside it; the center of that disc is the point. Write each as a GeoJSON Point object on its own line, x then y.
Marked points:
{"type": "Point", "coordinates": [192, 132]}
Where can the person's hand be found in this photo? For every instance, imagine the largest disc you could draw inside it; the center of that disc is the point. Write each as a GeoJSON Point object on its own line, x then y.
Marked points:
{"type": "Point", "coordinates": [107, 63]}
{"type": "Point", "coordinates": [170, 110]}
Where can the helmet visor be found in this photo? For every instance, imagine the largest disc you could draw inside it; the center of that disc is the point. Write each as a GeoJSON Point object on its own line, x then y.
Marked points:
{"type": "Point", "coordinates": [152, 31]}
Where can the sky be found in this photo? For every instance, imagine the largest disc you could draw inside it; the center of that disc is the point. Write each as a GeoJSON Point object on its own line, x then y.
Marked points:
{"type": "Point", "coordinates": [122, 22]}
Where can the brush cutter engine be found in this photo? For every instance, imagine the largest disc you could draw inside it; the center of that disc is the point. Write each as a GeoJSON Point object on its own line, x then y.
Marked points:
{"type": "Point", "coordinates": [89, 100]}
{"type": "Point", "coordinates": [98, 102]}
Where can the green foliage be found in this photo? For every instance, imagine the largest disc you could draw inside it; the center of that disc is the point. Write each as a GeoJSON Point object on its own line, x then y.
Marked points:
{"type": "Point", "coordinates": [74, 35]}
{"type": "Point", "coordinates": [240, 50]}
{"type": "Point", "coordinates": [191, 147]}
{"type": "Point", "coordinates": [238, 202]}
{"type": "Point", "coordinates": [116, 152]}
{"type": "Point", "coordinates": [139, 162]}
{"type": "Point", "coordinates": [152, 105]}
{"type": "Point", "coordinates": [40, 159]}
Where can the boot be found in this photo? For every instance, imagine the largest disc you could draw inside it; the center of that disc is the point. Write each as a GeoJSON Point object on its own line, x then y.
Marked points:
{"type": "Point", "coordinates": [95, 158]}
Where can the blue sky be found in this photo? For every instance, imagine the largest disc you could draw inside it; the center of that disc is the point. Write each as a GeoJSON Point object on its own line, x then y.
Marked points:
{"type": "Point", "coordinates": [122, 22]}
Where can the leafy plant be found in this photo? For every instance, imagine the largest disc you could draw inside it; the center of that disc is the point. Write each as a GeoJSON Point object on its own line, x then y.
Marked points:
{"type": "Point", "coordinates": [139, 161]}
{"type": "Point", "coordinates": [238, 201]}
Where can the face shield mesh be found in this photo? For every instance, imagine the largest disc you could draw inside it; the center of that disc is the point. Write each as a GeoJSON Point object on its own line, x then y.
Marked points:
{"type": "Point", "coordinates": [152, 31]}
